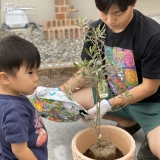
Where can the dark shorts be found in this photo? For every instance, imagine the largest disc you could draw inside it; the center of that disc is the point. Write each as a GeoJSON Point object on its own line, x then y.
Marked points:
{"type": "Point", "coordinates": [147, 114]}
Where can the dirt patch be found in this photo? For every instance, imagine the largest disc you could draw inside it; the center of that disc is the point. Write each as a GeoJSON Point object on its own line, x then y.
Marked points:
{"type": "Point", "coordinates": [56, 76]}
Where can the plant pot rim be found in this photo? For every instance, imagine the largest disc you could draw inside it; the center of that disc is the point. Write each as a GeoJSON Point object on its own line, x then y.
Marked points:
{"type": "Point", "coordinates": [112, 127]}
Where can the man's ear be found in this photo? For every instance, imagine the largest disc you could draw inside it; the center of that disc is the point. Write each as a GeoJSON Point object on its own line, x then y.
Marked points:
{"type": "Point", "coordinates": [135, 3]}
{"type": "Point", "coordinates": [4, 78]}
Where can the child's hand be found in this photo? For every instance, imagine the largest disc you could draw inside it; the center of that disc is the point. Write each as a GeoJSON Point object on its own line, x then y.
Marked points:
{"type": "Point", "coordinates": [105, 106]}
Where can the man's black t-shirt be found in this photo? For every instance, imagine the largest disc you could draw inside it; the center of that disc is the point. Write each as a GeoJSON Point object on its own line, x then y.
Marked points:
{"type": "Point", "coordinates": [140, 45]}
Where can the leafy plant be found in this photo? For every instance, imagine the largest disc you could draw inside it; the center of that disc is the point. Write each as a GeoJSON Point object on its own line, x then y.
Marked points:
{"type": "Point", "coordinates": [97, 71]}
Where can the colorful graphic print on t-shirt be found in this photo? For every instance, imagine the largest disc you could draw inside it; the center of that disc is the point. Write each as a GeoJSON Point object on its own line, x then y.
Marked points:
{"type": "Point", "coordinates": [126, 77]}
{"type": "Point", "coordinates": [42, 134]}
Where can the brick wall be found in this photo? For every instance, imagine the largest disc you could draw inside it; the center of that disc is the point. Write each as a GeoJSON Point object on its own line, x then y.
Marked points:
{"type": "Point", "coordinates": [61, 9]}
{"type": "Point", "coordinates": [63, 26]}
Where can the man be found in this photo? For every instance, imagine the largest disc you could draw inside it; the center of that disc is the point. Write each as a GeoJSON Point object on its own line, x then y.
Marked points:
{"type": "Point", "coordinates": [138, 38]}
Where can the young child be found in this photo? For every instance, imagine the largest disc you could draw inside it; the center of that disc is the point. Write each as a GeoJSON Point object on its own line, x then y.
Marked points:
{"type": "Point", "coordinates": [22, 132]}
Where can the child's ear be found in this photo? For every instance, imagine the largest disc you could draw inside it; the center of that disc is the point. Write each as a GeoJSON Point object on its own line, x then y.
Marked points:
{"type": "Point", "coordinates": [4, 78]}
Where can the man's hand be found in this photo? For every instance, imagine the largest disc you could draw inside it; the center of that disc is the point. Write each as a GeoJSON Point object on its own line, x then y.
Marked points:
{"type": "Point", "coordinates": [105, 106]}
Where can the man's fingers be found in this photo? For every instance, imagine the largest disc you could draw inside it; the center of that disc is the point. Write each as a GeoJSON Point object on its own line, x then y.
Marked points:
{"type": "Point", "coordinates": [92, 111]}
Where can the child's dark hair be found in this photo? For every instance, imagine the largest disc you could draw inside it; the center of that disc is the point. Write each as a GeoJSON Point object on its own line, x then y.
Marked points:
{"type": "Point", "coordinates": [16, 51]}
{"type": "Point", "coordinates": [104, 5]}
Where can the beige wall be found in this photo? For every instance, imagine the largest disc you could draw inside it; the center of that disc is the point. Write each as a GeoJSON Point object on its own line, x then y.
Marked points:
{"type": "Point", "coordinates": [148, 7]}
{"type": "Point", "coordinates": [86, 7]}
{"type": "Point", "coordinates": [45, 9]}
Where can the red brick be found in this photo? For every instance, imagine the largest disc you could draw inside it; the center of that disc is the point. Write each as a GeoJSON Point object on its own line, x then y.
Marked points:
{"type": "Point", "coordinates": [54, 23]}
{"type": "Point", "coordinates": [49, 24]}
{"type": "Point", "coordinates": [59, 2]}
{"type": "Point", "coordinates": [45, 33]}
{"type": "Point", "coordinates": [51, 36]}
{"type": "Point", "coordinates": [64, 9]}
{"type": "Point", "coordinates": [72, 22]}
{"type": "Point", "coordinates": [63, 22]}
{"type": "Point", "coordinates": [66, 2]}
{"type": "Point", "coordinates": [56, 9]}
{"type": "Point", "coordinates": [60, 16]}
{"type": "Point", "coordinates": [68, 22]}
{"type": "Point", "coordinates": [76, 32]}
{"type": "Point", "coordinates": [58, 22]}
{"type": "Point", "coordinates": [81, 34]}
{"type": "Point", "coordinates": [56, 34]}
{"type": "Point", "coordinates": [66, 15]}
{"type": "Point", "coordinates": [45, 25]}
{"type": "Point", "coordinates": [71, 33]}
{"type": "Point", "coordinates": [61, 34]}
{"type": "Point", "coordinates": [66, 33]}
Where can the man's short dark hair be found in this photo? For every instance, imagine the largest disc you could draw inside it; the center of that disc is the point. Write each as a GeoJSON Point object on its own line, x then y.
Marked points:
{"type": "Point", "coordinates": [104, 5]}
{"type": "Point", "coordinates": [16, 51]}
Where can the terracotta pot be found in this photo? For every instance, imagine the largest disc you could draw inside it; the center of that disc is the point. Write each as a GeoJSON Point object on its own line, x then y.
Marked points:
{"type": "Point", "coordinates": [85, 138]}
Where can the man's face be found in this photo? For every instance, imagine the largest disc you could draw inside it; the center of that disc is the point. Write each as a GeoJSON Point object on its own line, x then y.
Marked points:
{"type": "Point", "coordinates": [115, 19]}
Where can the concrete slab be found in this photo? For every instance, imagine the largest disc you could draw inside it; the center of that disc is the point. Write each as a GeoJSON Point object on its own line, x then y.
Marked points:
{"type": "Point", "coordinates": [61, 134]}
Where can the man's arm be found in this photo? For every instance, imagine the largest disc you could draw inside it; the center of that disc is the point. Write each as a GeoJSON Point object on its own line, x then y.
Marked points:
{"type": "Point", "coordinates": [74, 82]}
{"type": "Point", "coordinates": [22, 152]}
{"type": "Point", "coordinates": [140, 92]}
{"type": "Point", "coordinates": [147, 88]}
